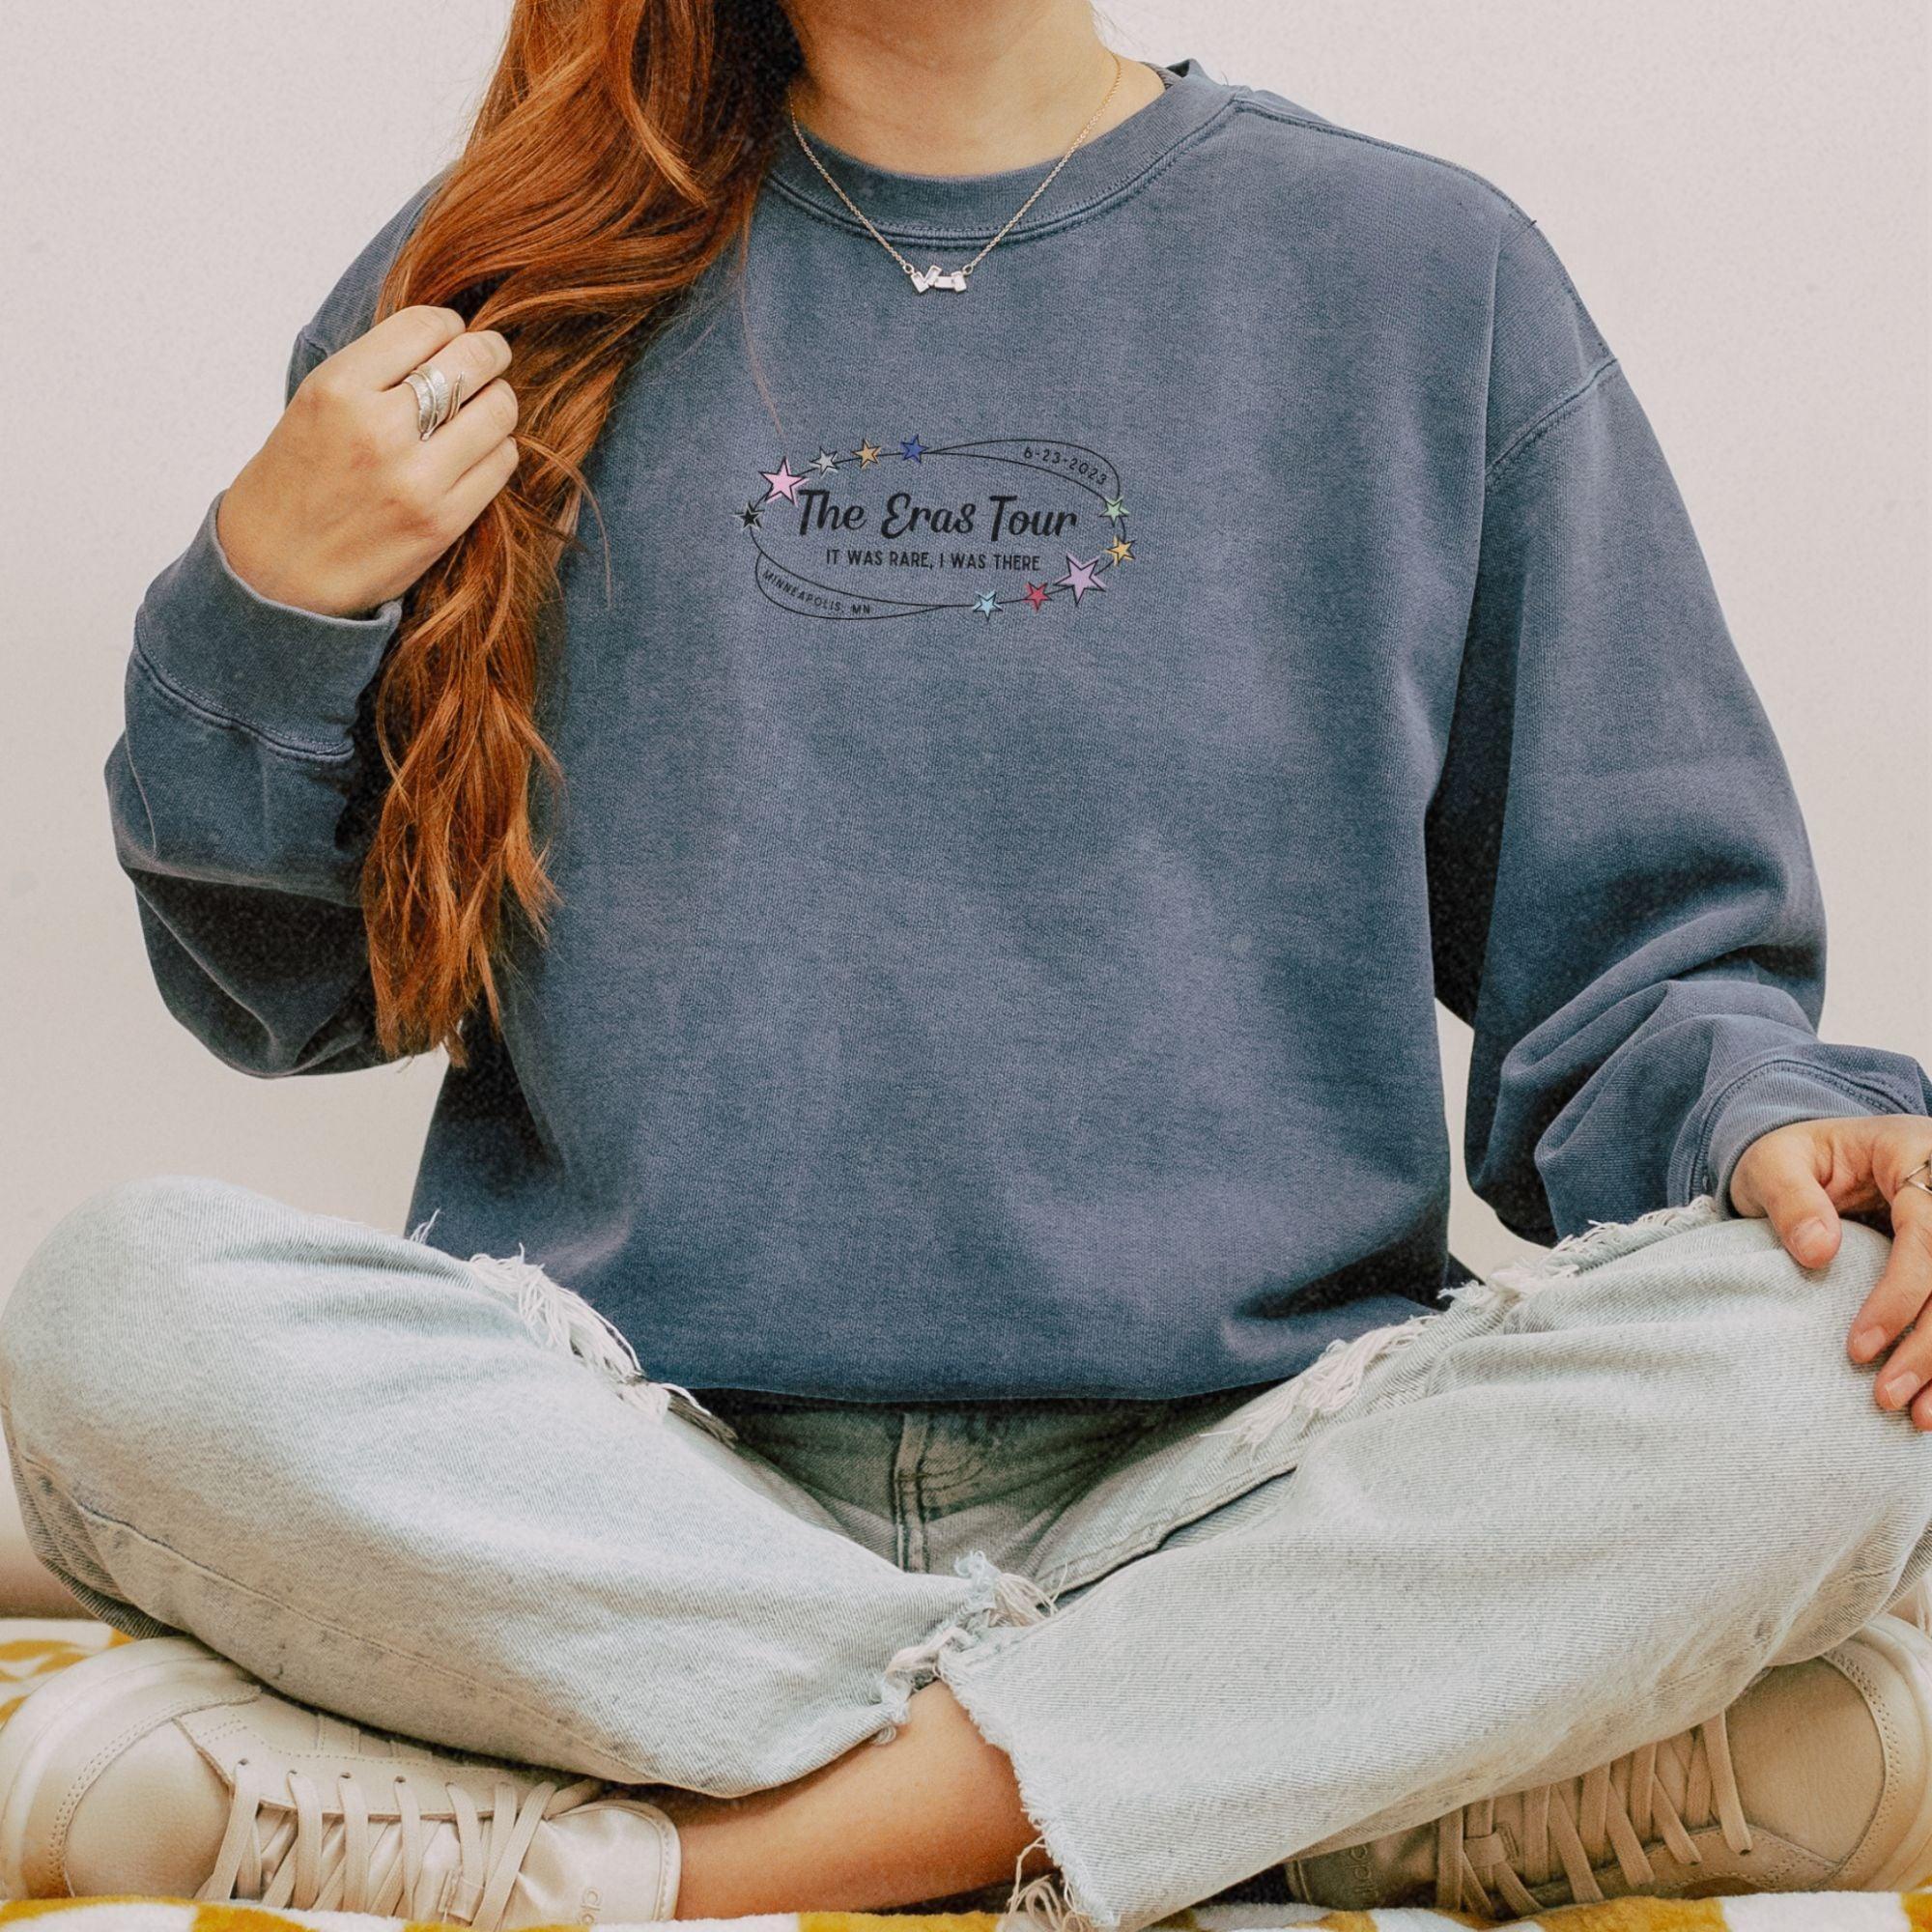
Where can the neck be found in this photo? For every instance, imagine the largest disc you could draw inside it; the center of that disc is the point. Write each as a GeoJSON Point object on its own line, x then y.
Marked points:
{"type": "Point", "coordinates": [957, 89]}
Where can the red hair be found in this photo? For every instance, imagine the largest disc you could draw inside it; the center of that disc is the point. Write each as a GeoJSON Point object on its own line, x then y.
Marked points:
{"type": "Point", "coordinates": [616, 154]}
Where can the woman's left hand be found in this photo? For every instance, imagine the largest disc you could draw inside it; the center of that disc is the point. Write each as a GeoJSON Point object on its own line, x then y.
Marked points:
{"type": "Point", "coordinates": [1802, 1176]}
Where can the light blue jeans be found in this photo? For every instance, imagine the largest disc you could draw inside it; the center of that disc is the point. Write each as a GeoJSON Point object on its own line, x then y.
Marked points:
{"type": "Point", "coordinates": [1578, 1509]}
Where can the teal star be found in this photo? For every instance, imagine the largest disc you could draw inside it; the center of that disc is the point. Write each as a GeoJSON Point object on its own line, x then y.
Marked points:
{"type": "Point", "coordinates": [1116, 509]}
{"type": "Point", "coordinates": [987, 605]}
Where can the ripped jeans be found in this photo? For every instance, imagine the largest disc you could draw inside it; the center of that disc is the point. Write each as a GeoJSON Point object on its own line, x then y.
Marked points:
{"type": "Point", "coordinates": [1578, 1509]}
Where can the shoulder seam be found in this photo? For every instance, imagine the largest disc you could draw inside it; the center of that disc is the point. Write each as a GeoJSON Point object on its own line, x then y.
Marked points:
{"type": "Point", "coordinates": [395, 232]}
{"type": "Point", "coordinates": [309, 347]}
{"type": "Point", "coordinates": [1541, 424]}
{"type": "Point", "coordinates": [1272, 113]}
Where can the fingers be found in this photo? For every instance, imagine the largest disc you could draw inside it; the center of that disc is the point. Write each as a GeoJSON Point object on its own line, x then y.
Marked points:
{"type": "Point", "coordinates": [473, 361]}
{"type": "Point", "coordinates": [1903, 1148]}
{"type": "Point", "coordinates": [483, 421]}
{"type": "Point", "coordinates": [1782, 1181]}
{"type": "Point", "coordinates": [439, 488]}
{"type": "Point", "coordinates": [385, 354]}
{"type": "Point", "coordinates": [365, 383]}
{"type": "Point", "coordinates": [471, 493]}
{"type": "Point", "coordinates": [1783, 1175]}
{"type": "Point", "coordinates": [375, 366]}
{"type": "Point", "coordinates": [1902, 1291]}
{"type": "Point", "coordinates": [1895, 1302]}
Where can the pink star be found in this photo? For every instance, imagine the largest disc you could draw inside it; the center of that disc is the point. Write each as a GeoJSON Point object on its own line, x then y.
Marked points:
{"type": "Point", "coordinates": [784, 484]}
{"type": "Point", "coordinates": [1037, 594]}
{"type": "Point", "coordinates": [1081, 577]}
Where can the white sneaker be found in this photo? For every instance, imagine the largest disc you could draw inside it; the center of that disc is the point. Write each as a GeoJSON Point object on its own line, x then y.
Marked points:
{"type": "Point", "coordinates": [161, 1769]}
{"type": "Point", "coordinates": [1819, 1777]}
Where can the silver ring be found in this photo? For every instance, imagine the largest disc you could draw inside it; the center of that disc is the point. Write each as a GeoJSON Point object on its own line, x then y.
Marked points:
{"type": "Point", "coordinates": [435, 401]}
{"type": "Point", "coordinates": [425, 405]}
{"type": "Point", "coordinates": [1912, 1179]}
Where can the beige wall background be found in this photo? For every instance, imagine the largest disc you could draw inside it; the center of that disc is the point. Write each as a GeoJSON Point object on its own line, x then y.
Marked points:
{"type": "Point", "coordinates": [1738, 187]}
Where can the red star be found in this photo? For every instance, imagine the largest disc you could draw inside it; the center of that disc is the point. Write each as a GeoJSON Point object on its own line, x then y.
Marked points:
{"type": "Point", "coordinates": [783, 483]}
{"type": "Point", "coordinates": [1038, 594]}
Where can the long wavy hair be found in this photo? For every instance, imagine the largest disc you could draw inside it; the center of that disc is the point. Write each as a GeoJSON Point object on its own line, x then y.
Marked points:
{"type": "Point", "coordinates": [617, 154]}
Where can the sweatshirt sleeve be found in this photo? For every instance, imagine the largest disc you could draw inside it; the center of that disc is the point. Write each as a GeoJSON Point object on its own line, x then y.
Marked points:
{"type": "Point", "coordinates": [242, 794]}
{"type": "Point", "coordinates": [1623, 897]}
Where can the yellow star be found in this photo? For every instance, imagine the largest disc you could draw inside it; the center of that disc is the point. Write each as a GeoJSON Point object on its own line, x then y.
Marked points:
{"type": "Point", "coordinates": [1121, 550]}
{"type": "Point", "coordinates": [867, 455]}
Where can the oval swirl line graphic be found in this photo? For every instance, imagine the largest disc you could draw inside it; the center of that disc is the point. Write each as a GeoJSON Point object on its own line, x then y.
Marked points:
{"type": "Point", "coordinates": [877, 531]}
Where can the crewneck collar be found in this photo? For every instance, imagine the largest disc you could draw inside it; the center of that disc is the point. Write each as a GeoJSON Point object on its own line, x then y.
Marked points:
{"type": "Point", "coordinates": [964, 208]}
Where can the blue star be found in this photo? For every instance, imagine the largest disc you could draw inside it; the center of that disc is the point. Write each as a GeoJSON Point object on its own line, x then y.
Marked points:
{"type": "Point", "coordinates": [912, 450]}
{"type": "Point", "coordinates": [986, 605]}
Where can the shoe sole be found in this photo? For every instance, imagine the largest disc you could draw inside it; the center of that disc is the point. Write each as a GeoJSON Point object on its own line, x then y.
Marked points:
{"type": "Point", "coordinates": [28, 1737]}
{"type": "Point", "coordinates": [1909, 1651]}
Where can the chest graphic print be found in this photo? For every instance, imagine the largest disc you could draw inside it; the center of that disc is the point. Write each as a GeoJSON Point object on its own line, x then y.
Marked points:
{"type": "Point", "coordinates": [1026, 527]}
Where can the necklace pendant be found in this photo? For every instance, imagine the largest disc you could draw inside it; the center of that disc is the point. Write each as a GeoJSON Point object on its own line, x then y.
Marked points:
{"type": "Point", "coordinates": [935, 278]}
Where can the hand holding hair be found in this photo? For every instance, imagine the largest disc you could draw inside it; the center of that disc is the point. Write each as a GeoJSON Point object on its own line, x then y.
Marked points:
{"type": "Point", "coordinates": [347, 502]}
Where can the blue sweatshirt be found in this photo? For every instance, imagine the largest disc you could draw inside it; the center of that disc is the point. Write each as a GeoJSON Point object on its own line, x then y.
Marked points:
{"type": "Point", "coordinates": [1039, 759]}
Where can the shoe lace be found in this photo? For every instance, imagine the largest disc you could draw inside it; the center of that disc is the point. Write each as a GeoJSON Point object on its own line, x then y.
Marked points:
{"type": "Point", "coordinates": [1568, 1829]}
{"type": "Point", "coordinates": [294, 1848]}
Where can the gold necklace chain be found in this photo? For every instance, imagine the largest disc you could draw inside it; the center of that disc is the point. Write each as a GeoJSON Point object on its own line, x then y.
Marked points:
{"type": "Point", "coordinates": [932, 278]}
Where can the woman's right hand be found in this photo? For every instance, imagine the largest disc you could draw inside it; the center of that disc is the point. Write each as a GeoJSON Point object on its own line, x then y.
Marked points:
{"type": "Point", "coordinates": [345, 506]}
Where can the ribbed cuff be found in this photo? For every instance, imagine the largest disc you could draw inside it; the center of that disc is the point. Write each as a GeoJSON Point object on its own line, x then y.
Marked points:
{"type": "Point", "coordinates": [290, 674]}
{"type": "Point", "coordinates": [1776, 1093]}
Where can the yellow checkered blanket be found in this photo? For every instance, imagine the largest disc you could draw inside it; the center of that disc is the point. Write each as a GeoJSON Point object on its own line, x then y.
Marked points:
{"type": "Point", "coordinates": [32, 1650]}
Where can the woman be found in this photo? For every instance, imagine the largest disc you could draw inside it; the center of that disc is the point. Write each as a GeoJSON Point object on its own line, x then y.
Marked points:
{"type": "Point", "coordinates": [1106, 596]}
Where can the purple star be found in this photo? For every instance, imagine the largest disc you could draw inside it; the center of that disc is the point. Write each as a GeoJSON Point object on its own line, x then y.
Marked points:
{"type": "Point", "coordinates": [1081, 577]}
{"type": "Point", "coordinates": [783, 483]}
